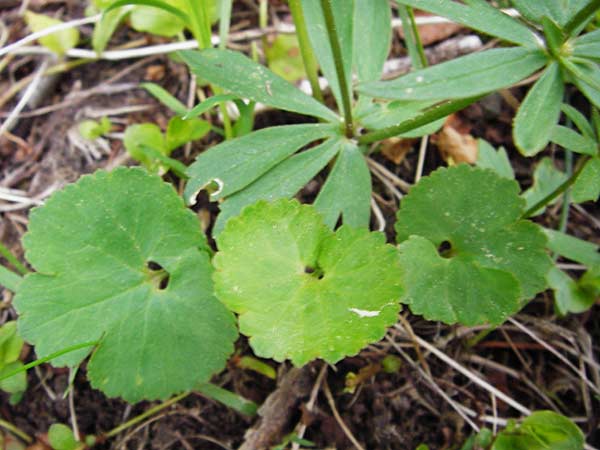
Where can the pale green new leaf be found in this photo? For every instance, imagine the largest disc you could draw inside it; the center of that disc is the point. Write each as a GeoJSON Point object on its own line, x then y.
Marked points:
{"type": "Point", "coordinates": [494, 262]}
{"type": "Point", "coordinates": [15, 384]}
{"type": "Point", "coordinates": [587, 46]}
{"type": "Point", "coordinates": [10, 343]}
{"type": "Point", "coordinates": [587, 185]}
{"type": "Point", "coordinates": [104, 29]}
{"type": "Point", "coordinates": [347, 191]}
{"type": "Point", "coordinates": [61, 437]}
{"type": "Point", "coordinates": [546, 179]}
{"type": "Point", "coordinates": [302, 291]}
{"type": "Point", "coordinates": [571, 140]}
{"type": "Point", "coordinates": [496, 160]}
{"type": "Point", "coordinates": [372, 37]}
{"type": "Point", "coordinates": [282, 181]}
{"type": "Point", "coordinates": [234, 164]}
{"type": "Point", "coordinates": [180, 132]}
{"type": "Point", "coordinates": [481, 18]}
{"type": "Point", "coordinates": [539, 113]}
{"type": "Point", "coordinates": [467, 76]}
{"type": "Point", "coordinates": [141, 135]}
{"type": "Point", "coordinates": [569, 296]}
{"type": "Point", "coordinates": [92, 244]}
{"type": "Point", "coordinates": [241, 76]}
{"type": "Point", "coordinates": [58, 42]}
{"type": "Point", "coordinates": [156, 20]}
{"type": "Point", "coordinates": [165, 97]}
{"type": "Point", "coordinates": [319, 39]}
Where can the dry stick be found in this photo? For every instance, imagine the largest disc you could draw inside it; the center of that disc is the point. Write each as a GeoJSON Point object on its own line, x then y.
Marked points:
{"type": "Point", "coordinates": [72, 408]}
{"type": "Point", "coordinates": [338, 418]}
{"type": "Point", "coordinates": [378, 215]}
{"type": "Point", "coordinates": [421, 160]}
{"type": "Point", "coordinates": [311, 403]}
{"type": "Point", "coordinates": [16, 431]}
{"type": "Point", "coordinates": [393, 177]}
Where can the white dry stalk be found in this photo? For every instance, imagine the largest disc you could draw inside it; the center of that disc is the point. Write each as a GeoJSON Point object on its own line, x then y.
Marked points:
{"type": "Point", "coordinates": [421, 160]}
{"type": "Point", "coordinates": [378, 215]}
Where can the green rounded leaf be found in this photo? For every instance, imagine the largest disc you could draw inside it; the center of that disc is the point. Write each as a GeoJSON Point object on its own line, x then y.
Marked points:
{"type": "Point", "coordinates": [489, 260]}
{"type": "Point", "coordinates": [92, 245]}
{"type": "Point", "coordinates": [301, 290]}
{"type": "Point", "coordinates": [61, 437]}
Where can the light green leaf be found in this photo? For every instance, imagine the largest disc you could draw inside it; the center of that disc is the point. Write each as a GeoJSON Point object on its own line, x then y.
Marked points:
{"type": "Point", "coordinates": [572, 248]}
{"type": "Point", "coordinates": [285, 58]}
{"type": "Point", "coordinates": [91, 129]}
{"type": "Point", "coordinates": [235, 164]}
{"type": "Point", "coordinates": [569, 297]}
{"type": "Point", "coordinates": [10, 343]}
{"type": "Point", "coordinates": [15, 384]}
{"type": "Point", "coordinates": [579, 120]}
{"type": "Point", "coordinates": [587, 46]}
{"type": "Point", "coordinates": [208, 104]}
{"type": "Point", "coordinates": [142, 135]}
{"type": "Point", "coordinates": [384, 115]}
{"type": "Point", "coordinates": [175, 8]}
{"type": "Point", "coordinates": [58, 42]}
{"type": "Point", "coordinates": [467, 76]}
{"type": "Point", "coordinates": [546, 179]}
{"type": "Point", "coordinates": [319, 39]}
{"type": "Point", "coordinates": [539, 113]}
{"type": "Point", "coordinates": [157, 21]}
{"type": "Point", "coordinates": [223, 68]}
{"type": "Point", "coordinates": [228, 398]}
{"type": "Point", "coordinates": [372, 37]}
{"type": "Point", "coordinates": [493, 262]}
{"type": "Point", "coordinates": [347, 191]}
{"type": "Point", "coordinates": [165, 98]}
{"type": "Point", "coordinates": [328, 294]}
{"type": "Point", "coordinates": [481, 18]}
{"type": "Point", "coordinates": [587, 79]}
{"type": "Point", "coordinates": [9, 279]}
{"type": "Point", "coordinates": [571, 140]}
{"type": "Point", "coordinates": [496, 160]}
{"type": "Point", "coordinates": [61, 437]}
{"type": "Point", "coordinates": [104, 29]}
{"type": "Point", "coordinates": [180, 132]}
{"type": "Point", "coordinates": [104, 248]}
{"type": "Point", "coordinates": [282, 181]}
{"type": "Point", "coordinates": [587, 185]}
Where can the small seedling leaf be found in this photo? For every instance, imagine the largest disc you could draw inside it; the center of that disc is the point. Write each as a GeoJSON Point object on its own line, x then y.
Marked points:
{"type": "Point", "coordinates": [467, 76]}
{"type": "Point", "coordinates": [120, 260]}
{"type": "Point", "coordinates": [569, 296]}
{"type": "Point", "coordinates": [539, 113]}
{"type": "Point", "coordinates": [235, 164]}
{"type": "Point", "coordinates": [180, 132]}
{"type": "Point", "coordinates": [61, 437]}
{"type": "Point", "coordinates": [241, 76]}
{"type": "Point", "coordinates": [496, 160]}
{"type": "Point", "coordinates": [546, 179]}
{"type": "Point", "coordinates": [301, 290]}
{"type": "Point", "coordinates": [58, 42]}
{"type": "Point", "coordinates": [466, 256]}
{"type": "Point", "coordinates": [10, 343]}
{"type": "Point", "coordinates": [587, 185]}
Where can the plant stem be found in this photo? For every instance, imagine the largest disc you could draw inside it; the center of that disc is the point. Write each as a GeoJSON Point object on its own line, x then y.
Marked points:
{"type": "Point", "coordinates": [339, 65]}
{"type": "Point", "coordinates": [558, 191]}
{"type": "Point", "coordinates": [13, 260]}
{"type": "Point", "coordinates": [412, 38]}
{"type": "Point", "coordinates": [427, 116]}
{"type": "Point", "coordinates": [16, 431]}
{"type": "Point", "coordinates": [308, 56]}
{"type": "Point", "coordinates": [582, 16]}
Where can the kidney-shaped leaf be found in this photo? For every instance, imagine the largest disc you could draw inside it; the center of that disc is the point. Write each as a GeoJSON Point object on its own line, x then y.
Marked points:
{"type": "Point", "coordinates": [119, 259]}
{"type": "Point", "coordinates": [465, 254]}
{"type": "Point", "coordinates": [301, 290]}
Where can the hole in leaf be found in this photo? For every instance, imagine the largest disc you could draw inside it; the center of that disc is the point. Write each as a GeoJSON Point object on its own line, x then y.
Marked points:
{"type": "Point", "coordinates": [158, 276]}
{"type": "Point", "coordinates": [316, 273]}
{"type": "Point", "coordinates": [308, 269]}
{"type": "Point", "coordinates": [445, 249]}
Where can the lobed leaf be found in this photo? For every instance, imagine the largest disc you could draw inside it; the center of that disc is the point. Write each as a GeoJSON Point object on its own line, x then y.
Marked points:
{"type": "Point", "coordinates": [235, 164]}
{"type": "Point", "coordinates": [546, 179]}
{"type": "Point", "coordinates": [539, 113]}
{"type": "Point", "coordinates": [496, 160]}
{"type": "Point", "coordinates": [245, 78]}
{"type": "Point", "coordinates": [467, 76]}
{"type": "Point", "coordinates": [493, 261]}
{"type": "Point", "coordinates": [95, 246]}
{"type": "Point", "coordinates": [347, 191]}
{"type": "Point", "coordinates": [302, 291]}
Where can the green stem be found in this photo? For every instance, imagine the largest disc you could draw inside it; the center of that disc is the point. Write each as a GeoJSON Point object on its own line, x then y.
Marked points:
{"type": "Point", "coordinates": [16, 431]}
{"type": "Point", "coordinates": [308, 56]}
{"type": "Point", "coordinates": [558, 191]}
{"type": "Point", "coordinates": [339, 65]}
{"type": "Point", "coordinates": [4, 251]}
{"type": "Point", "coordinates": [427, 116]}
{"type": "Point", "coordinates": [412, 38]}
{"type": "Point", "coordinates": [582, 16]}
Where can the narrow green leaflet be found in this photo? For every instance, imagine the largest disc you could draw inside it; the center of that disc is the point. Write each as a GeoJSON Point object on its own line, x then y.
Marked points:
{"type": "Point", "coordinates": [372, 37]}
{"type": "Point", "coordinates": [466, 256]}
{"type": "Point", "coordinates": [234, 164]}
{"type": "Point", "coordinates": [587, 78]}
{"type": "Point", "coordinates": [569, 296]}
{"type": "Point", "coordinates": [546, 179]}
{"type": "Point", "coordinates": [572, 248]}
{"type": "Point", "coordinates": [467, 76]}
{"type": "Point", "coordinates": [119, 259]}
{"type": "Point", "coordinates": [302, 291]}
{"type": "Point", "coordinates": [104, 29]}
{"type": "Point", "coordinates": [539, 113]}
{"type": "Point", "coordinates": [571, 140]}
{"type": "Point", "coordinates": [319, 39]}
{"type": "Point", "coordinates": [587, 46]}
{"type": "Point", "coordinates": [384, 115]}
{"type": "Point", "coordinates": [165, 97]}
{"type": "Point", "coordinates": [347, 191]}
{"type": "Point", "coordinates": [579, 120]}
{"type": "Point", "coordinates": [587, 185]}
{"type": "Point", "coordinates": [208, 104]}
{"type": "Point", "coordinates": [241, 76]}
{"type": "Point", "coordinates": [496, 160]}
{"type": "Point", "coordinates": [58, 42]}
{"type": "Point", "coordinates": [478, 17]}
{"type": "Point", "coordinates": [282, 181]}
{"type": "Point", "coordinates": [559, 11]}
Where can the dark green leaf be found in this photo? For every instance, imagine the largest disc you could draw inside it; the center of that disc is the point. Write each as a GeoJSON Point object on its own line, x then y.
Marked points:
{"type": "Point", "coordinates": [559, 11]}
{"type": "Point", "coordinates": [587, 78]}
{"type": "Point", "coordinates": [241, 76]}
{"type": "Point", "coordinates": [467, 76]}
{"type": "Point", "coordinates": [235, 164]}
{"type": "Point", "coordinates": [372, 36]}
{"type": "Point", "coordinates": [579, 120]}
{"type": "Point", "coordinates": [587, 185]}
{"type": "Point", "coordinates": [347, 191]}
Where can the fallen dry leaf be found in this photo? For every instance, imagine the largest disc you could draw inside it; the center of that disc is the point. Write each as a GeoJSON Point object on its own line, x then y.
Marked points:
{"type": "Point", "coordinates": [456, 146]}
{"type": "Point", "coordinates": [395, 149]}
{"type": "Point", "coordinates": [430, 34]}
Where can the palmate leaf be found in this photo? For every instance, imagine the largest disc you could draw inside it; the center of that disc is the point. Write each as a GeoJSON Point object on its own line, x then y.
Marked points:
{"type": "Point", "coordinates": [372, 38]}
{"type": "Point", "coordinates": [301, 290]}
{"type": "Point", "coordinates": [92, 245]}
{"type": "Point", "coordinates": [496, 160]}
{"type": "Point", "coordinates": [493, 262]}
{"type": "Point", "coordinates": [559, 11]}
